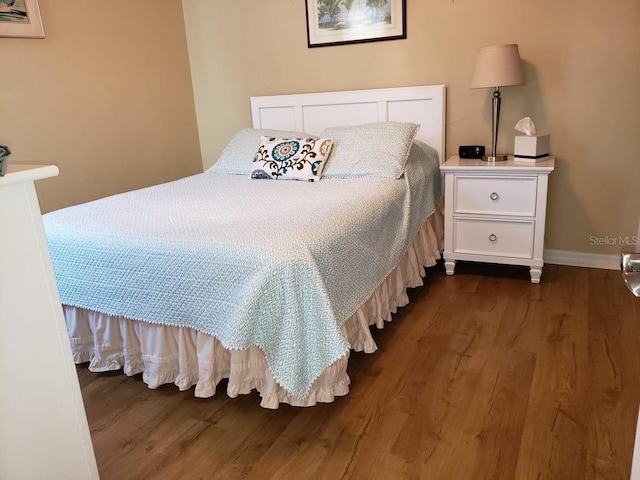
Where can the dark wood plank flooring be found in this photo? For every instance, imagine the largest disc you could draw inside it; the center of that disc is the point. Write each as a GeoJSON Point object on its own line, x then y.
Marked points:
{"type": "Point", "coordinates": [482, 376]}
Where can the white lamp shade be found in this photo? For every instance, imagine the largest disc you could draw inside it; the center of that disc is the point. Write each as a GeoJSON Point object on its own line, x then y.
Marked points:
{"type": "Point", "coordinates": [498, 66]}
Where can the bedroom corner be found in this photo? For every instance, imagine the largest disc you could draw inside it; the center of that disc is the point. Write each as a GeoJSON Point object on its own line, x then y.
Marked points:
{"type": "Point", "coordinates": [106, 96]}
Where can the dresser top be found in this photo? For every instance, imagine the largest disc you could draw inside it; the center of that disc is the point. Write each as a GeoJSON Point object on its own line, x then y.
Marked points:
{"type": "Point", "coordinates": [18, 173]}
{"type": "Point", "coordinates": [510, 165]}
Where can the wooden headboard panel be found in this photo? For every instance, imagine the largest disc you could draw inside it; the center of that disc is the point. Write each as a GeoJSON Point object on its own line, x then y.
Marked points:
{"type": "Point", "coordinates": [312, 112]}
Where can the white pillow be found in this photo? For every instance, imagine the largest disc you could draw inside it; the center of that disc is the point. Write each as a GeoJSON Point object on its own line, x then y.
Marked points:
{"type": "Point", "coordinates": [291, 158]}
{"type": "Point", "coordinates": [372, 150]}
{"type": "Point", "coordinates": [237, 156]}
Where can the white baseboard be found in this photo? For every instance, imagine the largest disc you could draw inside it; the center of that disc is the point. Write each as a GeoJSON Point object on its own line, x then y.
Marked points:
{"type": "Point", "coordinates": [578, 259]}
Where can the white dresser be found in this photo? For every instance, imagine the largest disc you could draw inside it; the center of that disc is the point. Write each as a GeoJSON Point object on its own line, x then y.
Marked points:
{"type": "Point", "coordinates": [43, 428]}
{"type": "Point", "coordinates": [495, 212]}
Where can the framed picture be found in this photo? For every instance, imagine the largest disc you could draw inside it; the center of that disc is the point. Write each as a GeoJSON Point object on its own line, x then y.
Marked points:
{"type": "Point", "coordinates": [20, 18]}
{"type": "Point", "coordinates": [338, 22]}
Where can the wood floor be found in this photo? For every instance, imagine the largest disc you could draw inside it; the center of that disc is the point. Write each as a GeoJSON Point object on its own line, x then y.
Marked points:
{"type": "Point", "coordinates": [482, 376]}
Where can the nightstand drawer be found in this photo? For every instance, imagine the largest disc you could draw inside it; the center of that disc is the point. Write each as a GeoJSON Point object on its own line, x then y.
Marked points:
{"type": "Point", "coordinates": [495, 195]}
{"type": "Point", "coordinates": [501, 238]}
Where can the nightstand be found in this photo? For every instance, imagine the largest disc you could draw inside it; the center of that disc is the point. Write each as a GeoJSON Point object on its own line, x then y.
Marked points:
{"type": "Point", "coordinates": [495, 212]}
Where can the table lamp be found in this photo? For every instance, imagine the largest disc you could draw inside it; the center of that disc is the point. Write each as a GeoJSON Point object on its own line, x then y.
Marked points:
{"type": "Point", "coordinates": [497, 66]}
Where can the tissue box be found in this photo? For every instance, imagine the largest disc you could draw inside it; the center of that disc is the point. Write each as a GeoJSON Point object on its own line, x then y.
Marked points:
{"type": "Point", "coordinates": [531, 148]}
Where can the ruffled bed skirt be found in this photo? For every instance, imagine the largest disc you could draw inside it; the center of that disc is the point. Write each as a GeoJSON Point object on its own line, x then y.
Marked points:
{"type": "Point", "coordinates": [186, 357]}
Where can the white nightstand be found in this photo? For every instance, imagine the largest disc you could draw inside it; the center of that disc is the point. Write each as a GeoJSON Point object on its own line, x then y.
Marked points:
{"type": "Point", "coordinates": [495, 212]}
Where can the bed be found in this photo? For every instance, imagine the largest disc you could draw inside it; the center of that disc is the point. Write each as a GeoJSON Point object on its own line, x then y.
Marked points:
{"type": "Point", "coordinates": [269, 284]}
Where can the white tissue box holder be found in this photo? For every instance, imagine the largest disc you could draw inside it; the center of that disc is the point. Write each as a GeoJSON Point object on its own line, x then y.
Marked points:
{"type": "Point", "coordinates": [531, 148]}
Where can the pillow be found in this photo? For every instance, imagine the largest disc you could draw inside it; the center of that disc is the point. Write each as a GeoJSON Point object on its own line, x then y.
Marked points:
{"type": "Point", "coordinates": [291, 158]}
{"type": "Point", "coordinates": [237, 156]}
{"type": "Point", "coordinates": [371, 150]}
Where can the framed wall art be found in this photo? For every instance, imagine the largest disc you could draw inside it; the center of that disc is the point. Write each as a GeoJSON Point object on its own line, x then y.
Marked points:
{"type": "Point", "coordinates": [339, 22]}
{"type": "Point", "coordinates": [20, 18]}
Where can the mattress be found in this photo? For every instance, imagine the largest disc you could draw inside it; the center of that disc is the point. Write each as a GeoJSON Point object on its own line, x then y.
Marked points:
{"type": "Point", "coordinates": [279, 266]}
{"type": "Point", "coordinates": [194, 360]}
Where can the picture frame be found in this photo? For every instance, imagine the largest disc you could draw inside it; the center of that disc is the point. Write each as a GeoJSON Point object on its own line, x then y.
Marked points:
{"type": "Point", "coordinates": [20, 18]}
{"type": "Point", "coordinates": [340, 22]}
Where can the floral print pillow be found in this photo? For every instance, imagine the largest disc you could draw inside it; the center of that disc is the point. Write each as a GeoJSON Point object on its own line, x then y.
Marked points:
{"type": "Point", "coordinates": [291, 158]}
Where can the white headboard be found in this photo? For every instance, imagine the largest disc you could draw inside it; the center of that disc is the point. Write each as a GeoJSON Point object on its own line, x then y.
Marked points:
{"type": "Point", "coordinates": [312, 112]}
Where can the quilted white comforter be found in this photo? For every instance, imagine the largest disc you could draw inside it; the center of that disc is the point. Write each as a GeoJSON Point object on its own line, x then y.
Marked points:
{"type": "Point", "coordinates": [273, 264]}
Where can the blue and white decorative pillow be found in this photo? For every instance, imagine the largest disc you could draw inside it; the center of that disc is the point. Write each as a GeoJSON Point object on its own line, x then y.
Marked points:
{"type": "Point", "coordinates": [291, 158]}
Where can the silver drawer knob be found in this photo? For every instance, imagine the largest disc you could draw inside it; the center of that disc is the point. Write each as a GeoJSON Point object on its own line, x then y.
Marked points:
{"type": "Point", "coordinates": [494, 196]}
{"type": "Point", "coordinates": [492, 238]}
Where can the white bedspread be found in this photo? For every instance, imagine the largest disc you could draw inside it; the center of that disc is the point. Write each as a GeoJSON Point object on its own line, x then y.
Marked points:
{"type": "Point", "coordinates": [275, 264]}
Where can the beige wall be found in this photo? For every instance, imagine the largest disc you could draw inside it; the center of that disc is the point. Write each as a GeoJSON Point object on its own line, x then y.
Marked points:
{"type": "Point", "coordinates": [582, 62]}
{"type": "Point", "coordinates": [106, 96]}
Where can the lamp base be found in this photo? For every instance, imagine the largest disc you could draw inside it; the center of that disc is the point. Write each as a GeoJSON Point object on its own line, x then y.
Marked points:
{"type": "Point", "coordinates": [494, 158]}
